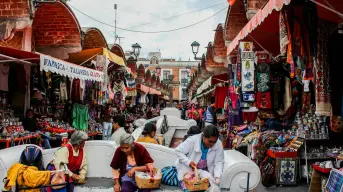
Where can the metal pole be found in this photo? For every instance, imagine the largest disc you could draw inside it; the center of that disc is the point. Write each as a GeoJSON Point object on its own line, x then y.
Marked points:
{"type": "Point", "coordinates": [248, 182]}
{"type": "Point", "coordinates": [115, 23]}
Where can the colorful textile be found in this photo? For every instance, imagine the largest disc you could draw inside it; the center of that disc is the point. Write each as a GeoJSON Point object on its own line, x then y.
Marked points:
{"type": "Point", "coordinates": [286, 171]}
{"type": "Point", "coordinates": [263, 100]}
{"type": "Point", "coordinates": [220, 94]}
{"type": "Point", "coordinates": [335, 182]}
{"type": "Point", "coordinates": [169, 176]}
{"type": "Point", "coordinates": [80, 117]}
{"type": "Point", "coordinates": [323, 104]}
{"type": "Point", "coordinates": [263, 80]}
{"type": "Point", "coordinates": [283, 34]}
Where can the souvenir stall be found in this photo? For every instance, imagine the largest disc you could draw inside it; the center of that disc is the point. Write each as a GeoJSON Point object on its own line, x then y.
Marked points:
{"type": "Point", "coordinates": [283, 85]}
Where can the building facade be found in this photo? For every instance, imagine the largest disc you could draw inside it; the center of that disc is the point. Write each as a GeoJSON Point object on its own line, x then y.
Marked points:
{"type": "Point", "coordinates": [173, 72]}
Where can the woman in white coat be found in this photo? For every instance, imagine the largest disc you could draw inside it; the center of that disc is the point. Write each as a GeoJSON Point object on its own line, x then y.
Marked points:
{"type": "Point", "coordinates": [203, 151]}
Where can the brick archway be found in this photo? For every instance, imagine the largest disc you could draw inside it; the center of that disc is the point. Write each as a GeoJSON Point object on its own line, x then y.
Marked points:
{"type": "Point", "coordinates": [235, 20]}
{"type": "Point", "coordinates": [118, 50]}
{"type": "Point", "coordinates": [56, 30]}
{"type": "Point", "coordinates": [140, 74]}
{"type": "Point", "coordinates": [219, 45]}
{"type": "Point", "coordinates": [93, 38]}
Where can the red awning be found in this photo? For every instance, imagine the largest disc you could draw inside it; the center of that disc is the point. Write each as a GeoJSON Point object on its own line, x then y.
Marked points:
{"type": "Point", "coordinates": [8, 53]}
{"type": "Point", "coordinates": [264, 26]}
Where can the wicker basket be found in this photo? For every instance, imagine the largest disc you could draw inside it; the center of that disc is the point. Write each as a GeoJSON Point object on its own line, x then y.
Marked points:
{"type": "Point", "coordinates": [197, 184]}
{"type": "Point", "coordinates": [154, 183]}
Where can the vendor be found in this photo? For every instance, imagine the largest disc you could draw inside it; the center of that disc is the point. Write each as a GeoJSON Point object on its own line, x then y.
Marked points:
{"type": "Point", "coordinates": [202, 151]}
{"type": "Point", "coordinates": [129, 158]}
{"type": "Point", "coordinates": [149, 134]}
{"type": "Point", "coordinates": [30, 124]}
{"type": "Point", "coordinates": [118, 128]}
{"type": "Point", "coordinates": [75, 157]}
{"type": "Point", "coordinates": [107, 123]}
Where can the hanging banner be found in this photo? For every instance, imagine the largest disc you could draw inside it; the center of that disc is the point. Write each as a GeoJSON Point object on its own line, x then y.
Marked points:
{"type": "Point", "coordinates": [54, 65]}
{"type": "Point", "coordinates": [248, 67]}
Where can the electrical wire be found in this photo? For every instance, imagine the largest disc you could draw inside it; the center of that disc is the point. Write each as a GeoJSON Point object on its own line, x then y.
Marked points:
{"type": "Point", "coordinates": [175, 16]}
{"type": "Point", "coordinates": [163, 31]}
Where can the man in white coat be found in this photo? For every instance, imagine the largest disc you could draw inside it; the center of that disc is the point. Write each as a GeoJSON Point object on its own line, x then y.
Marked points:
{"type": "Point", "coordinates": [202, 151]}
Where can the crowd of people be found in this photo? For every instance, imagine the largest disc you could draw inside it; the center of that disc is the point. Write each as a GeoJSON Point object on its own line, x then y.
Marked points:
{"type": "Point", "coordinates": [199, 150]}
{"type": "Point", "coordinates": [202, 115]}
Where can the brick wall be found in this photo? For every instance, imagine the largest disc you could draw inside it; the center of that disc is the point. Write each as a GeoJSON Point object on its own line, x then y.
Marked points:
{"type": "Point", "coordinates": [94, 39]}
{"type": "Point", "coordinates": [236, 20]}
{"type": "Point", "coordinates": [14, 8]}
{"type": "Point", "coordinates": [219, 42]}
{"type": "Point", "coordinates": [53, 24]}
{"type": "Point", "coordinates": [255, 4]}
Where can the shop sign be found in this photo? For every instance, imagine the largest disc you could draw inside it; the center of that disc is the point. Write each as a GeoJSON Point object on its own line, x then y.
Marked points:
{"type": "Point", "coordinates": [67, 69]}
{"type": "Point", "coordinates": [248, 67]}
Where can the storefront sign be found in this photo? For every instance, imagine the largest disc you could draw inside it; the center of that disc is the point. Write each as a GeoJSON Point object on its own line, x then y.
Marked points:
{"type": "Point", "coordinates": [67, 69]}
{"type": "Point", "coordinates": [248, 67]}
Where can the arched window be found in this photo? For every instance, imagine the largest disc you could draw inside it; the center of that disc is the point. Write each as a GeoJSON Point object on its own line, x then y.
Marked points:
{"type": "Point", "coordinates": [154, 61]}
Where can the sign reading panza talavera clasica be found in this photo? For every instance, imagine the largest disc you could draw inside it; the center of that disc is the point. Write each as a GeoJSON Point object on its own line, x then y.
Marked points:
{"type": "Point", "coordinates": [67, 69]}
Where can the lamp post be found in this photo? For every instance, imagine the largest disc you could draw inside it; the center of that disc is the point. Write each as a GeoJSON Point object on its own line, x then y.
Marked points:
{"type": "Point", "coordinates": [158, 70]}
{"type": "Point", "coordinates": [195, 49]}
{"type": "Point", "coordinates": [136, 49]}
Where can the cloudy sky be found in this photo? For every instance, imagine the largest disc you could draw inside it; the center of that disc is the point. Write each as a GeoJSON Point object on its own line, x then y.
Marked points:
{"type": "Point", "coordinates": [136, 12]}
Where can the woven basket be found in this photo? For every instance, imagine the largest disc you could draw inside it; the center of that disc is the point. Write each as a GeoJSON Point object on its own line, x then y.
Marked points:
{"type": "Point", "coordinates": [197, 184]}
{"type": "Point", "coordinates": [143, 183]}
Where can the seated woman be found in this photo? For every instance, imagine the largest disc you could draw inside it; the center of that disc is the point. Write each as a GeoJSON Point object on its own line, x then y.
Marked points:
{"type": "Point", "coordinates": [193, 130]}
{"type": "Point", "coordinates": [74, 156]}
{"type": "Point", "coordinates": [129, 158]}
{"type": "Point", "coordinates": [149, 134]}
{"type": "Point", "coordinates": [204, 152]}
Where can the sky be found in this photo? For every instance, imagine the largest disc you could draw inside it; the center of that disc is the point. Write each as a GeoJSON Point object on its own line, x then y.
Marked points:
{"type": "Point", "coordinates": [131, 13]}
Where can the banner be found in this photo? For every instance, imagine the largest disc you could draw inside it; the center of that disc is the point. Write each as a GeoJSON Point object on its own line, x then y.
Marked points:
{"type": "Point", "coordinates": [54, 65]}
{"type": "Point", "coordinates": [248, 67]}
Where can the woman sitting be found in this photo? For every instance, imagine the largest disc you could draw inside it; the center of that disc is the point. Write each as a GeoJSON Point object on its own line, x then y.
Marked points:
{"type": "Point", "coordinates": [74, 156]}
{"type": "Point", "coordinates": [149, 134]}
{"type": "Point", "coordinates": [193, 130]}
{"type": "Point", "coordinates": [129, 158]}
{"type": "Point", "coordinates": [204, 152]}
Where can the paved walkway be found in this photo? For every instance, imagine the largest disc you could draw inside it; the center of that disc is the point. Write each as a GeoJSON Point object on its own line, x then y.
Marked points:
{"type": "Point", "coordinates": [299, 188]}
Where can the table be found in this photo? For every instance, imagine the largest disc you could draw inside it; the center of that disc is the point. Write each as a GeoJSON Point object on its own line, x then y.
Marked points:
{"type": "Point", "coordinates": [25, 140]}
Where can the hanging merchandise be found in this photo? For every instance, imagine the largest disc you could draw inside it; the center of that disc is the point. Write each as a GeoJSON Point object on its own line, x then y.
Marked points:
{"type": "Point", "coordinates": [263, 77]}
{"type": "Point", "coordinates": [80, 117]}
{"type": "Point", "coordinates": [4, 71]}
{"type": "Point", "coordinates": [323, 104]}
{"type": "Point", "coordinates": [263, 100]}
{"type": "Point", "coordinates": [131, 84]}
{"type": "Point", "coordinates": [220, 94]}
{"type": "Point", "coordinates": [102, 65]}
{"type": "Point", "coordinates": [76, 90]}
{"type": "Point", "coordinates": [248, 68]}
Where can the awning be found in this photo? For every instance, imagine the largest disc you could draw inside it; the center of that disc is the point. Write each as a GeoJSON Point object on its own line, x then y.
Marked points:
{"type": "Point", "coordinates": [207, 92]}
{"type": "Point", "coordinates": [16, 55]}
{"type": "Point", "coordinates": [213, 80]}
{"type": "Point", "coordinates": [154, 91]}
{"type": "Point", "coordinates": [149, 90]}
{"type": "Point", "coordinates": [89, 54]}
{"type": "Point", "coordinates": [64, 68]}
{"type": "Point", "coordinates": [258, 19]}
{"type": "Point", "coordinates": [267, 21]}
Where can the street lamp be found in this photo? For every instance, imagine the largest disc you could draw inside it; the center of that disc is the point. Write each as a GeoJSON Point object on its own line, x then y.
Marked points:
{"type": "Point", "coordinates": [136, 49]}
{"type": "Point", "coordinates": [158, 70]}
{"type": "Point", "coordinates": [195, 48]}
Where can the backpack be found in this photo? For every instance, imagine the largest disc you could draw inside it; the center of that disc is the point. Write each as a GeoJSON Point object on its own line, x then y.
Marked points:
{"type": "Point", "coordinates": [204, 115]}
{"type": "Point", "coordinates": [32, 156]}
{"type": "Point", "coordinates": [169, 176]}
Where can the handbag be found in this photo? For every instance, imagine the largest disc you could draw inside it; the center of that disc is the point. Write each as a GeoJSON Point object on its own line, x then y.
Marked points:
{"type": "Point", "coordinates": [169, 176]}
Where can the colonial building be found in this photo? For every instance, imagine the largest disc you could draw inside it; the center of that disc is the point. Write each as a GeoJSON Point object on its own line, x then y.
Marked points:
{"type": "Point", "coordinates": [171, 71]}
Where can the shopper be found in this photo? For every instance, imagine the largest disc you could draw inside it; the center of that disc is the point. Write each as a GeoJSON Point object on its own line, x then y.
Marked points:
{"type": "Point", "coordinates": [129, 158]}
{"type": "Point", "coordinates": [107, 123]}
{"type": "Point", "coordinates": [149, 133]}
{"type": "Point", "coordinates": [118, 128]}
{"type": "Point", "coordinates": [211, 116]}
{"type": "Point", "coordinates": [202, 151]}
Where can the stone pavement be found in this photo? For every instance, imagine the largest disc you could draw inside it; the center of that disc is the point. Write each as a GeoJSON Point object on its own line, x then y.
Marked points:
{"type": "Point", "coordinates": [298, 188]}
